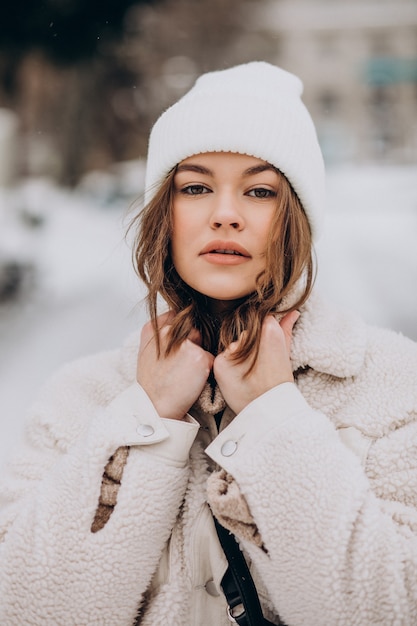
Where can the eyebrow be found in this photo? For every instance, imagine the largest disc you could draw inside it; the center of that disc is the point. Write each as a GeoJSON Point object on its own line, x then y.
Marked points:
{"type": "Point", "coordinates": [258, 169]}
{"type": "Point", "coordinates": [200, 169]}
{"type": "Point", "coordinates": [191, 167]}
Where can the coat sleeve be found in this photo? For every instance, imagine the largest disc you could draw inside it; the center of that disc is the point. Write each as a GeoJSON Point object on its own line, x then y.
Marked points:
{"type": "Point", "coordinates": [331, 551]}
{"type": "Point", "coordinates": [54, 570]}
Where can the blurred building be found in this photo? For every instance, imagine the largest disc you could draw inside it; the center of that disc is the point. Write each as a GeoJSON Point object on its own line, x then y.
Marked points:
{"type": "Point", "coordinates": [358, 61]}
{"type": "Point", "coordinates": [82, 109]}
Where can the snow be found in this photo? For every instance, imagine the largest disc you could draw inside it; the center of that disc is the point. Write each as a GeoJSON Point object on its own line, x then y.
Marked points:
{"type": "Point", "coordinates": [80, 293]}
{"type": "Point", "coordinates": [368, 255]}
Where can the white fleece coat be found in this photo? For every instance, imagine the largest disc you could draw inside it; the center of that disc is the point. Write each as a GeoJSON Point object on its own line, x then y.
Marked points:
{"type": "Point", "coordinates": [326, 467]}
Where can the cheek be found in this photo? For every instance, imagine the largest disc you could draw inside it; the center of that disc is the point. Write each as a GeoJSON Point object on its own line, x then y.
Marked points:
{"type": "Point", "coordinates": [180, 241]}
{"type": "Point", "coordinates": [175, 248]}
{"type": "Point", "coordinates": [263, 232]}
{"type": "Point", "coordinates": [175, 235]}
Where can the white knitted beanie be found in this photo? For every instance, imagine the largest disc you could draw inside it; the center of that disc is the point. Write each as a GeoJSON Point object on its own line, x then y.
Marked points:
{"type": "Point", "coordinates": [252, 109]}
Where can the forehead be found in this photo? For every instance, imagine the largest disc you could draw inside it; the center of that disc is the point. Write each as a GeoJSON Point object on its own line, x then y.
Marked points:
{"type": "Point", "coordinates": [231, 162]}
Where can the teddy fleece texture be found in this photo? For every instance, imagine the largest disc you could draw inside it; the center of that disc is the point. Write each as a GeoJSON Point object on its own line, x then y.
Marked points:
{"type": "Point", "coordinates": [105, 523]}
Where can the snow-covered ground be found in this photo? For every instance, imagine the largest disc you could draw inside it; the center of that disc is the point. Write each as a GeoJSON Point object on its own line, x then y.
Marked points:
{"type": "Point", "coordinates": [83, 296]}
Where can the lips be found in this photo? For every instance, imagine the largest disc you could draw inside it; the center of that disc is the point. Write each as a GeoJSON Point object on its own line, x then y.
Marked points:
{"type": "Point", "coordinates": [225, 247]}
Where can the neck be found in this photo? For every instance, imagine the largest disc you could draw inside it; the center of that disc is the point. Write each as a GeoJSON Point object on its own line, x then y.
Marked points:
{"type": "Point", "coordinates": [219, 308]}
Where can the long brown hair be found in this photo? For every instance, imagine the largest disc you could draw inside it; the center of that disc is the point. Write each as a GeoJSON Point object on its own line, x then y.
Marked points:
{"type": "Point", "coordinates": [289, 267]}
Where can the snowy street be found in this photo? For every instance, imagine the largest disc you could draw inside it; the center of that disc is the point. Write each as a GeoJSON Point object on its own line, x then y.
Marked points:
{"type": "Point", "coordinates": [82, 294]}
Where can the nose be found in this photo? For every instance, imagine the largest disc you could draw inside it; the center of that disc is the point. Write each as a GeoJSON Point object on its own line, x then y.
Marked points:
{"type": "Point", "coordinates": [226, 212]}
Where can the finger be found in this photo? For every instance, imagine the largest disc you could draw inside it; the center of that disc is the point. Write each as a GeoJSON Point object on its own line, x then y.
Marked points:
{"type": "Point", "coordinates": [287, 325]}
{"type": "Point", "coordinates": [146, 334]}
{"type": "Point", "coordinates": [195, 336]}
{"type": "Point", "coordinates": [165, 319]}
{"type": "Point", "coordinates": [234, 346]}
{"type": "Point", "coordinates": [210, 359]}
{"type": "Point", "coordinates": [148, 330]}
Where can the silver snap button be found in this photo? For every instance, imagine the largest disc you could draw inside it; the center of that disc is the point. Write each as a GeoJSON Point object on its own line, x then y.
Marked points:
{"type": "Point", "coordinates": [145, 430]}
{"type": "Point", "coordinates": [211, 588]}
{"type": "Point", "coordinates": [229, 448]}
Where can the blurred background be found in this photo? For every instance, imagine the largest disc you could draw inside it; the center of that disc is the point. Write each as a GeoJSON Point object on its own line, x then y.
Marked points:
{"type": "Point", "coordinates": [81, 83]}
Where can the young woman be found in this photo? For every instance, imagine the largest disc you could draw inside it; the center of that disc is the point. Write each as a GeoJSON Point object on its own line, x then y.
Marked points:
{"type": "Point", "coordinates": [246, 400]}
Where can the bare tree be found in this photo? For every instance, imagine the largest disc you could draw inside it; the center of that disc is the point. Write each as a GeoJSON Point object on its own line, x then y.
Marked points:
{"type": "Point", "coordinates": [87, 79]}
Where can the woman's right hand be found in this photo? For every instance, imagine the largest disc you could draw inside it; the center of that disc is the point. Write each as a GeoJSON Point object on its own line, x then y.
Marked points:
{"type": "Point", "coordinates": [172, 382]}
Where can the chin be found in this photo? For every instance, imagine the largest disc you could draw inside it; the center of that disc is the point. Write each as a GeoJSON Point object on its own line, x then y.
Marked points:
{"type": "Point", "coordinates": [224, 296]}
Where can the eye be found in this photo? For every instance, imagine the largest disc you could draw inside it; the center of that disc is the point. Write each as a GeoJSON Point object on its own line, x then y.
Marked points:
{"type": "Point", "coordinates": [262, 192]}
{"type": "Point", "coordinates": [194, 190]}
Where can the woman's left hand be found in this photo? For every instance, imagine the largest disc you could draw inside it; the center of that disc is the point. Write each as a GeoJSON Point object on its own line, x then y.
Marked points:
{"type": "Point", "coordinates": [272, 367]}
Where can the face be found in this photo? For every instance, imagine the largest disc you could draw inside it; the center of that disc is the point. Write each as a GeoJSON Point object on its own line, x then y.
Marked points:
{"type": "Point", "coordinates": [223, 208]}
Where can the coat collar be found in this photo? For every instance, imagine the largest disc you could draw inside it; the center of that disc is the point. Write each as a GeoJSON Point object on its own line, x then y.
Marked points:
{"type": "Point", "coordinates": [328, 340]}
{"type": "Point", "coordinates": [325, 338]}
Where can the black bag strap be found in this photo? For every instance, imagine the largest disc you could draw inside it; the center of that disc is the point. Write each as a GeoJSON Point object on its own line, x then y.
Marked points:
{"type": "Point", "coordinates": [238, 585]}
